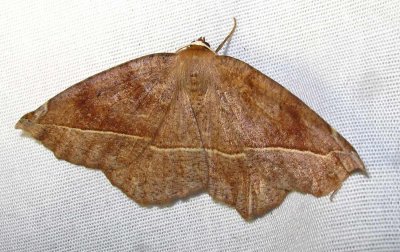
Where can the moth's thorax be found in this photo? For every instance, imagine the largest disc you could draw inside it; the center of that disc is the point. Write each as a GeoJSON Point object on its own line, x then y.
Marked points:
{"type": "Point", "coordinates": [195, 70]}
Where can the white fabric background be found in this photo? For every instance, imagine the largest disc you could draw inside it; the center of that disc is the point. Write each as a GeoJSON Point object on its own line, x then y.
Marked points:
{"type": "Point", "coordinates": [341, 58]}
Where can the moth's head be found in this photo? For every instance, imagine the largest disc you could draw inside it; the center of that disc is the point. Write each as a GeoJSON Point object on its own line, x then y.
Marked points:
{"type": "Point", "coordinates": [200, 42]}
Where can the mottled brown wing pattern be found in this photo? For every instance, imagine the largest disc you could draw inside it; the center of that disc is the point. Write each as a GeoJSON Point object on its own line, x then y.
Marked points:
{"type": "Point", "coordinates": [165, 126]}
{"type": "Point", "coordinates": [120, 121]}
{"type": "Point", "coordinates": [282, 144]}
{"type": "Point", "coordinates": [174, 165]}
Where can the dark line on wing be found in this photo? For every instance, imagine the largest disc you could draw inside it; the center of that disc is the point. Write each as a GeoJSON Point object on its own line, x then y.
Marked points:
{"type": "Point", "coordinates": [201, 136]}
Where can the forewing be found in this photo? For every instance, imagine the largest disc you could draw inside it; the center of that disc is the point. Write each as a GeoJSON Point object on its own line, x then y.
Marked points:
{"type": "Point", "coordinates": [275, 144]}
{"type": "Point", "coordinates": [115, 120]}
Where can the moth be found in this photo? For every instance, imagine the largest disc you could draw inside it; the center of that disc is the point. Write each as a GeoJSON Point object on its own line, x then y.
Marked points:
{"type": "Point", "coordinates": [168, 125]}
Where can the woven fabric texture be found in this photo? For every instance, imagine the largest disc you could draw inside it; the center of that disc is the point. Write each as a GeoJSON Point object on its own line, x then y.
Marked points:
{"type": "Point", "coordinates": [342, 58]}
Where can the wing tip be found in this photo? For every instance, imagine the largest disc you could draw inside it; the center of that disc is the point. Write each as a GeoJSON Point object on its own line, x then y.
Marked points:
{"type": "Point", "coordinates": [359, 164]}
{"type": "Point", "coordinates": [24, 123]}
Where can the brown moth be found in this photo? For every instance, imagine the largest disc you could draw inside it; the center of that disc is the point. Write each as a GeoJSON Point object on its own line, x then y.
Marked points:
{"type": "Point", "coordinates": [169, 125]}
